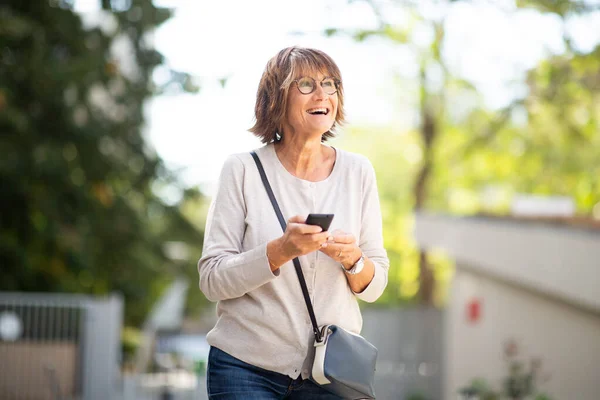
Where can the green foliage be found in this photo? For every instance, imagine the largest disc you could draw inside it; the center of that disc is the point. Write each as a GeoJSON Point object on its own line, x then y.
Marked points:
{"type": "Point", "coordinates": [130, 341]}
{"type": "Point", "coordinates": [560, 7]}
{"type": "Point", "coordinates": [416, 396]}
{"type": "Point", "coordinates": [520, 383]}
{"type": "Point", "coordinates": [475, 160]}
{"type": "Point", "coordinates": [548, 144]}
{"type": "Point", "coordinates": [80, 213]}
{"type": "Point", "coordinates": [478, 389]}
{"type": "Point", "coordinates": [396, 157]}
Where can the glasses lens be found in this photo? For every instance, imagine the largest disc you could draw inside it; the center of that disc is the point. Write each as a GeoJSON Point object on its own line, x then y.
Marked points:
{"type": "Point", "coordinates": [306, 85]}
{"type": "Point", "coordinates": [329, 86]}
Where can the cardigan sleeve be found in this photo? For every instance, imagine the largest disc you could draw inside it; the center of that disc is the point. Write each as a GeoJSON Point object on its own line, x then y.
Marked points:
{"type": "Point", "coordinates": [371, 235]}
{"type": "Point", "coordinates": [225, 271]}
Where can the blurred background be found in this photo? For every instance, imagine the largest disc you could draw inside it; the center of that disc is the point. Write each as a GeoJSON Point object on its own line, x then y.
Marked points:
{"type": "Point", "coordinates": [481, 119]}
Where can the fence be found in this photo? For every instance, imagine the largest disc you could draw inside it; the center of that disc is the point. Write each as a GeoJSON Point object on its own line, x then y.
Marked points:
{"type": "Point", "coordinates": [56, 346]}
{"type": "Point", "coordinates": [59, 346]}
{"type": "Point", "coordinates": [410, 342]}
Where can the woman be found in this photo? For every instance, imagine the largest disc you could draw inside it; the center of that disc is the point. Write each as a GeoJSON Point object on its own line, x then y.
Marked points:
{"type": "Point", "coordinates": [262, 343]}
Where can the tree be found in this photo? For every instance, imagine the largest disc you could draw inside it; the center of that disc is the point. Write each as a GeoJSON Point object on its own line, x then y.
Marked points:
{"type": "Point", "coordinates": [463, 158]}
{"type": "Point", "coordinates": [80, 209]}
{"type": "Point", "coordinates": [430, 100]}
{"type": "Point", "coordinates": [543, 143]}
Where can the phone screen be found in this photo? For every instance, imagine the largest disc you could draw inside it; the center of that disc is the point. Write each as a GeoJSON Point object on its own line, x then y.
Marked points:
{"type": "Point", "coordinates": [322, 220]}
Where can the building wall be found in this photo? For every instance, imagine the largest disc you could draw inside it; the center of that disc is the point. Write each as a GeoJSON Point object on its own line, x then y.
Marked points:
{"type": "Point", "coordinates": [566, 338]}
{"type": "Point", "coordinates": [557, 259]}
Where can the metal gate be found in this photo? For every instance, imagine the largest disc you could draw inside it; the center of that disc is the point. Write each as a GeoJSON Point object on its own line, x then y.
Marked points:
{"type": "Point", "coordinates": [59, 346]}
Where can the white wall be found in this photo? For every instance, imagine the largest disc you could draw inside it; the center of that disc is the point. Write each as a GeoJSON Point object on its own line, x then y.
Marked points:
{"type": "Point", "coordinates": [558, 259]}
{"type": "Point", "coordinates": [567, 339]}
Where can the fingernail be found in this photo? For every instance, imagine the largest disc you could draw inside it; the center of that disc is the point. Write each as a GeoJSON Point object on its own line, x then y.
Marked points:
{"type": "Point", "coordinates": [324, 245]}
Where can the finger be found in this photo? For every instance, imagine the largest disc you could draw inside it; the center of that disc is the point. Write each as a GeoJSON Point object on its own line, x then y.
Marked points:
{"type": "Point", "coordinates": [332, 250]}
{"type": "Point", "coordinates": [326, 248]}
{"type": "Point", "coordinates": [301, 227]}
{"type": "Point", "coordinates": [320, 237]}
{"type": "Point", "coordinates": [347, 238]}
{"type": "Point", "coordinates": [311, 229]}
{"type": "Point", "coordinates": [297, 219]}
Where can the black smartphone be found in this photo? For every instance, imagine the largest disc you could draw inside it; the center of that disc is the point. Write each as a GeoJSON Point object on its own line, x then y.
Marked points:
{"type": "Point", "coordinates": [323, 220]}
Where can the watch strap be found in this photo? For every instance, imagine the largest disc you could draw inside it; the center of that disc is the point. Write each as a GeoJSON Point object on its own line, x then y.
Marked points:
{"type": "Point", "coordinates": [357, 267]}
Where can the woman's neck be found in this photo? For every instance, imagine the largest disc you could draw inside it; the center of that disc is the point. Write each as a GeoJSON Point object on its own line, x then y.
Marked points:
{"type": "Point", "coordinates": [308, 160]}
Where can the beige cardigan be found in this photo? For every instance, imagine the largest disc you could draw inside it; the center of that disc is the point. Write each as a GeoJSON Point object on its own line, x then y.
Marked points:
{"type": "Point", "coordinates": [262, 317]}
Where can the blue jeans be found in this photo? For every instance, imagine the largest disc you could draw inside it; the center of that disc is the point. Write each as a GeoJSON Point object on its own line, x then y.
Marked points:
{"type": "Point", "coordinates": [228, 378]}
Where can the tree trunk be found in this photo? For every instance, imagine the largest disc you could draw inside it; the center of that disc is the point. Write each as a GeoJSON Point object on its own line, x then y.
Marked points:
{"type": "Point", "coordinates": [428, 132]}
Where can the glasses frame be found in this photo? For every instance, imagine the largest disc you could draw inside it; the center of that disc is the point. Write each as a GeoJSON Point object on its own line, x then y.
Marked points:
{"type": "Point", "coordinates": [336, 82]}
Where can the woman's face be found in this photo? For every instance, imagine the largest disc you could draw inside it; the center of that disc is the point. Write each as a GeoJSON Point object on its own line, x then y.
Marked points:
{"type": "Point", "coordinates": [310, 114]}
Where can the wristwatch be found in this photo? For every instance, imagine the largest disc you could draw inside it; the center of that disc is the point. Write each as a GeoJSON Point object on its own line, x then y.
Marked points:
{"type": "Point", "coordinates": [356, 268]}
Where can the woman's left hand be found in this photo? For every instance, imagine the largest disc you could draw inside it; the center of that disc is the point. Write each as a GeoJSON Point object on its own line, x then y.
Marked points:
{"type": "Point", "coordinates": [342, 248]}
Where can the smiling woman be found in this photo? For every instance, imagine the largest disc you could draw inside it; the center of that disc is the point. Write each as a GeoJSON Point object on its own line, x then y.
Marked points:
{"type": "Point", "coordinates": [260, 345]}
{"type": "Point", "coordinates": [302, 68]}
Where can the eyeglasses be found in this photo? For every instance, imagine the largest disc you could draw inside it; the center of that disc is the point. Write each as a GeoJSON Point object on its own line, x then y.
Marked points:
{"type": "Point", "coordinates": [307, 85]}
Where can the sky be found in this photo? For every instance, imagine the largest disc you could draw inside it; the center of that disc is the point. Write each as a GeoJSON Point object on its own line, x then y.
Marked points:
{"type": "Point", "coordinates": [490, 46]}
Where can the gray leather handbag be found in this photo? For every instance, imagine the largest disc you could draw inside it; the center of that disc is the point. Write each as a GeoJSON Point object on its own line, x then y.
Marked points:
{"type": "Point", "coordinates": [344, 362]}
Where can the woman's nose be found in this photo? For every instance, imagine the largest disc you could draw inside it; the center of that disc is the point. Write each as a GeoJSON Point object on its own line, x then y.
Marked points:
{"type": "Point", "coordinates": [320, 92]}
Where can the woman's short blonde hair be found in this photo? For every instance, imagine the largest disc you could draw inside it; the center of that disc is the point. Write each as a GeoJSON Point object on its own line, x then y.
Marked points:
{"type": "Point", "coordinates": [271, 98]}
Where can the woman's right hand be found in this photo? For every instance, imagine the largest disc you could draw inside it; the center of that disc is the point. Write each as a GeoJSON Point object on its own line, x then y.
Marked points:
{"type": "Point", "coordinates": [298, 239]}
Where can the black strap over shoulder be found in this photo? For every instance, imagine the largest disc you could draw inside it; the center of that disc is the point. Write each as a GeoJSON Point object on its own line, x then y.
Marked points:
{"type": "Point", "coordinates": [311, 312]}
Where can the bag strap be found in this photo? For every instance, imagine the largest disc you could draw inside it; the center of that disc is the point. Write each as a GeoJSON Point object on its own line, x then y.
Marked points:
{"type": "Point", "coordinates": [311, 312]}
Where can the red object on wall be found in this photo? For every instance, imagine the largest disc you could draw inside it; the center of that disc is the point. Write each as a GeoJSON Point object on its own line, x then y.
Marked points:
{"type": "Point", "coordinates": [474, 310]}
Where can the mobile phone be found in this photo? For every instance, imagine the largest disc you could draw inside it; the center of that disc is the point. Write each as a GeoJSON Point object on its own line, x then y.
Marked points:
{"type": "Point", "coordinates": [322, 220]}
